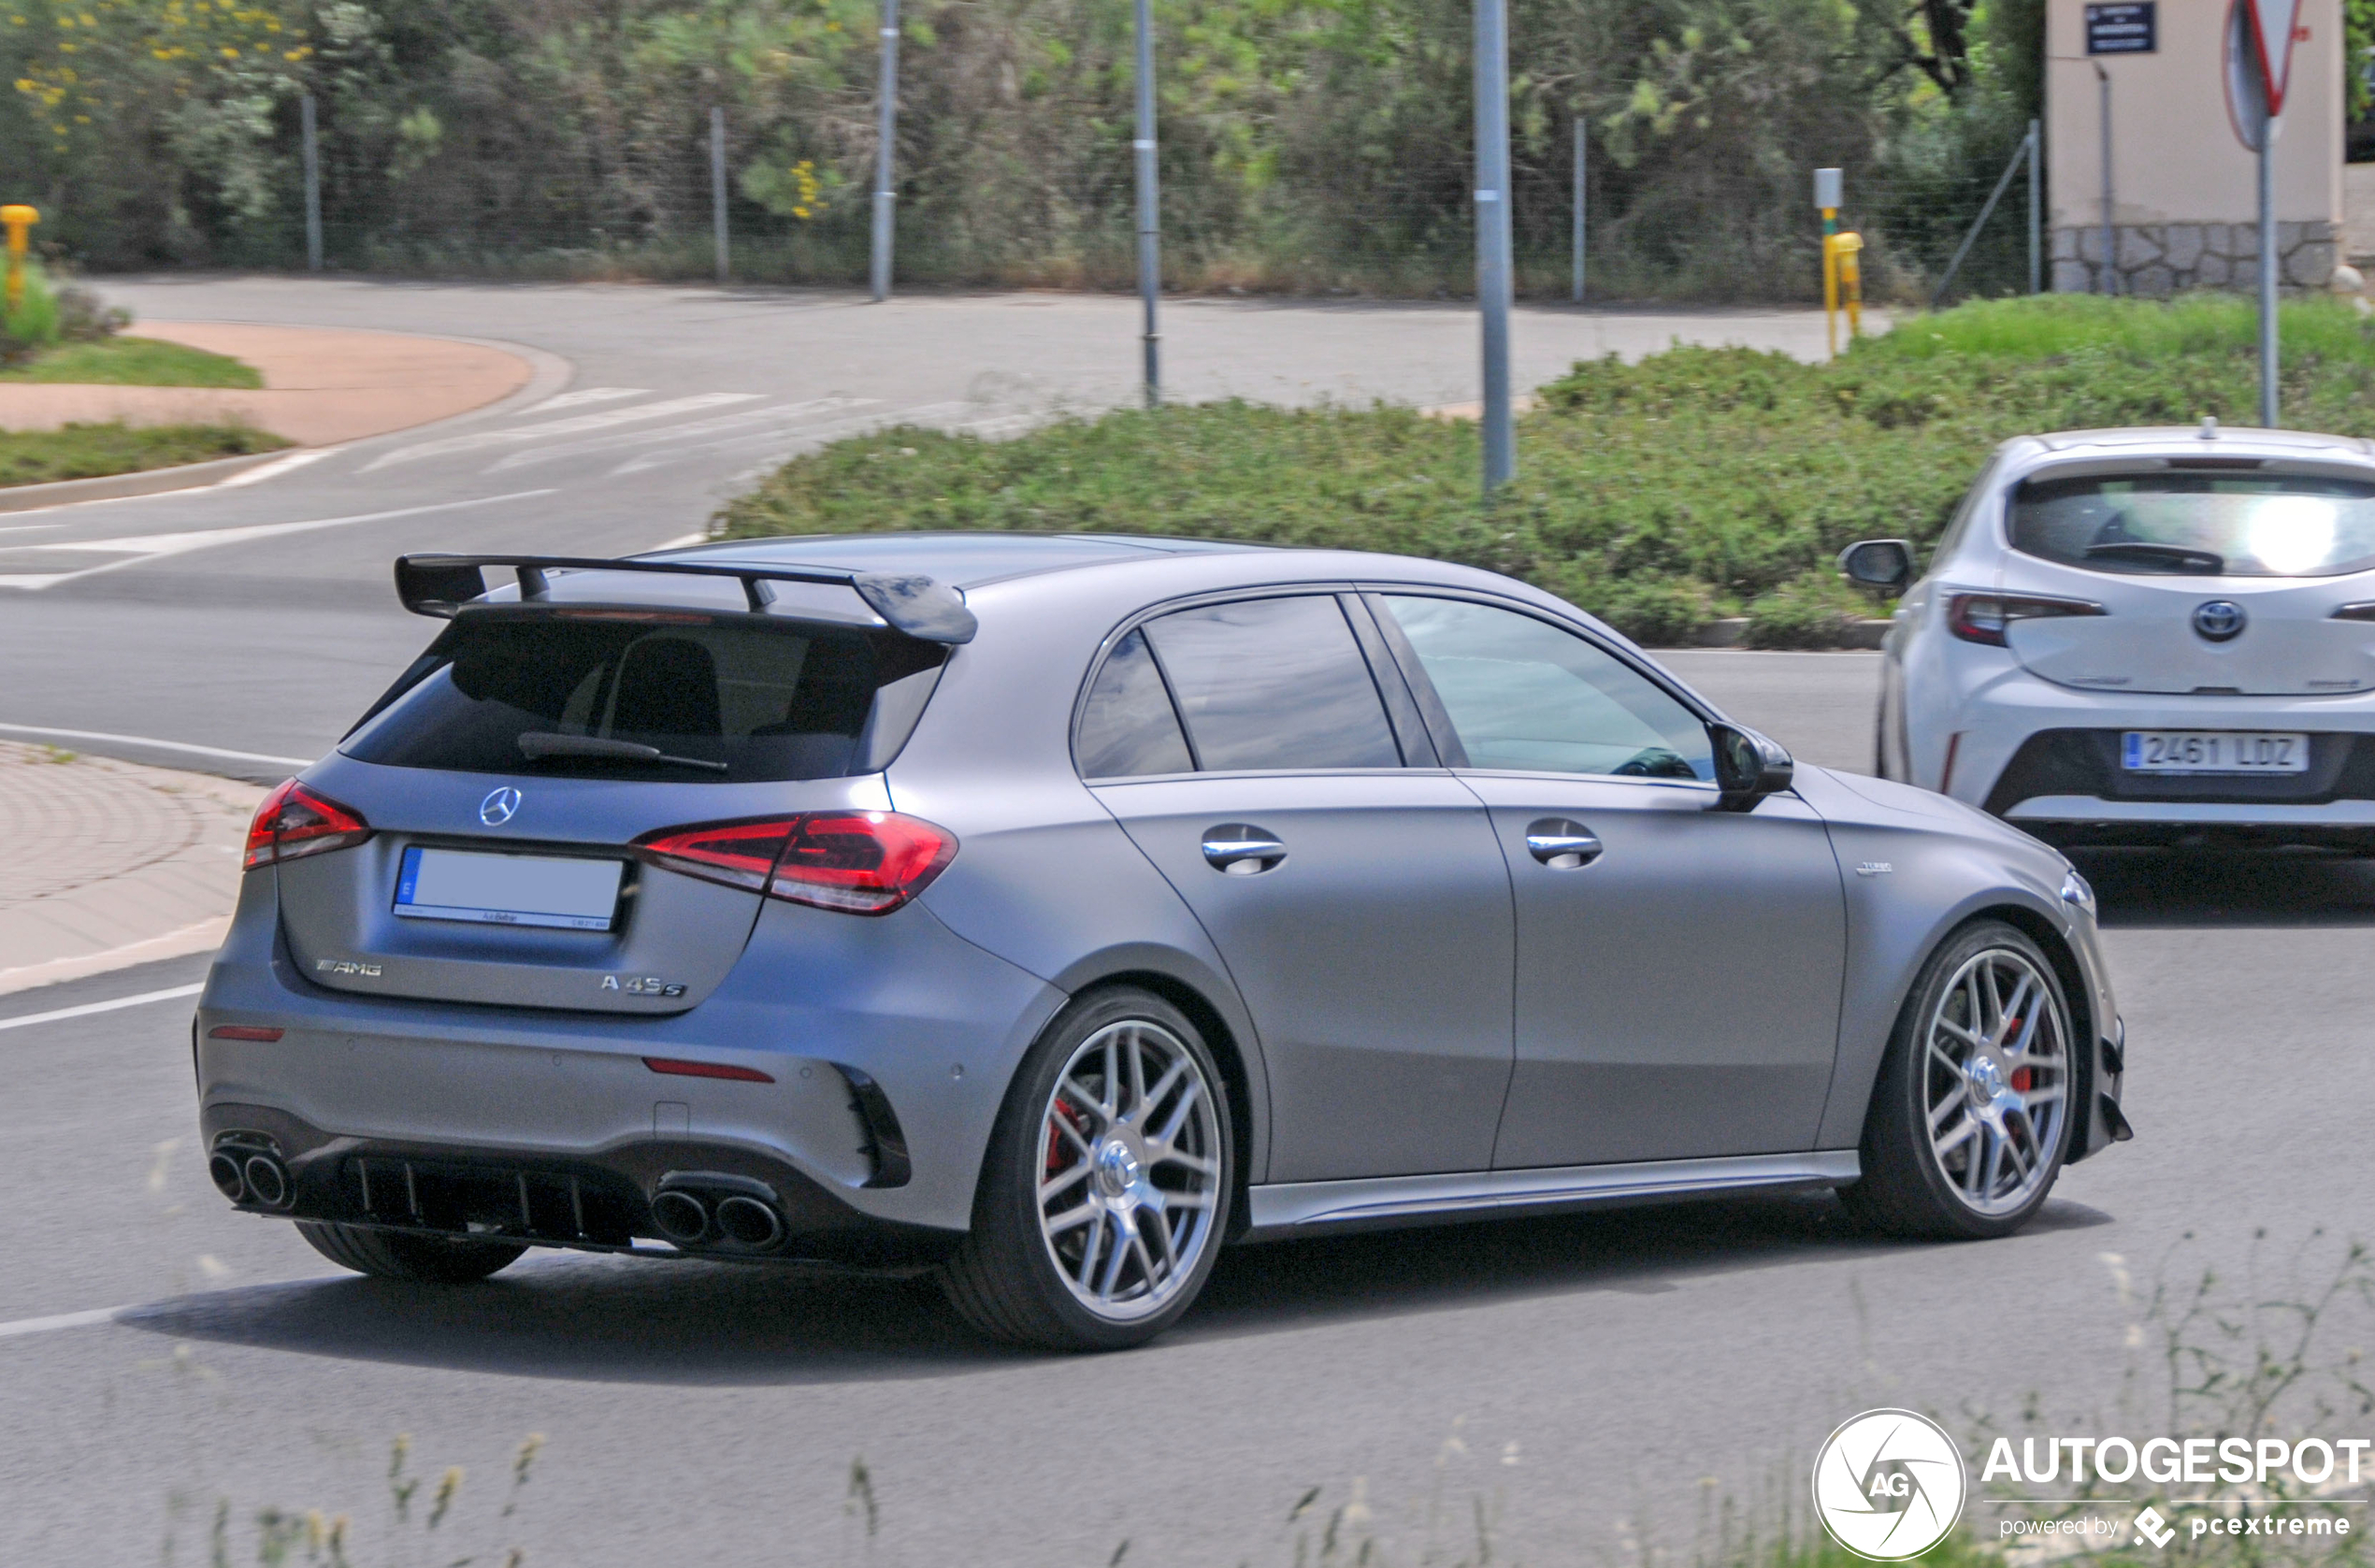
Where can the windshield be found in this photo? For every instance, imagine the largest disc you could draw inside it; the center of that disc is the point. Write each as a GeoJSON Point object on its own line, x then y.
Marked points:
{"type": "Point", "coordinates": [2202, 525]}
{"type": "Point", "coordinates": [683, 697]}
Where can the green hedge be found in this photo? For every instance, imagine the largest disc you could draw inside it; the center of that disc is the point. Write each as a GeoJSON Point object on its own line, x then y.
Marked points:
{"type": "Point", "coordinates": [1697, 484]}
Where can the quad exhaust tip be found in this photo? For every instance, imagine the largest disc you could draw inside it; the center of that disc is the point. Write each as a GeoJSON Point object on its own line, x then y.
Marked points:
{"type": "Point", "coordinates": [748, 1222]}
{"type": "Point", "coordinates": [681, 1216]}
{"type": "Point", "coordinates": [712, 1208]}
{"type": "Point", "coordinates": [246, 1175]}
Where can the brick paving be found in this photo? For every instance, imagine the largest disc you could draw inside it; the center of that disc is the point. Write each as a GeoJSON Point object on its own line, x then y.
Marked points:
{"type": "Point", "coordinates": [104, 863]}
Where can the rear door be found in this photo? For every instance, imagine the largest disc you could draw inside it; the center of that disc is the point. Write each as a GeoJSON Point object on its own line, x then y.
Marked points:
{"type": "Point", "coordinates": [1678, 968]}
{"type": "Point", "coordinates": [1360, 905]}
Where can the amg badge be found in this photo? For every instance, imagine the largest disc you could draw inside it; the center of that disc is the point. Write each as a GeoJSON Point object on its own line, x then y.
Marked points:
{"type": "Point", "coordinates": [346, 966]}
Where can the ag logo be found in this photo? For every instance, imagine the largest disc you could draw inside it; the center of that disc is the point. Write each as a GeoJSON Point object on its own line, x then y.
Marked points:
{"type": "Point", "coordinates": [1889, 1485]}
{"type": "Point", "coordinates": [496, 809]}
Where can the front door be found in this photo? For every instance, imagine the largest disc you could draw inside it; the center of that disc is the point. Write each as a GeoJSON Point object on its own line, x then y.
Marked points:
{"type": "Point", "coordinates": [1361, 905]}
{"type": "Point", "coordinates": [1678, 968]}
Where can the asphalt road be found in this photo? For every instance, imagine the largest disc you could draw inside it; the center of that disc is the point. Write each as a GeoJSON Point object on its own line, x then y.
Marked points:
{"type": "Point", "coordinates": [1592, 1383]}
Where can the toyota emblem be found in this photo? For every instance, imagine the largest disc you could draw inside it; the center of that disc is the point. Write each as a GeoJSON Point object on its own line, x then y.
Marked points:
{"type": "Point", "coordinates": [496, 809]}
{"type": "Point", "coordinates": [2219, 621]}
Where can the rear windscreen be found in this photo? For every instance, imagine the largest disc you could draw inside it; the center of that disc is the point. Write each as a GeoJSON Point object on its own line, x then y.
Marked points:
{"type": "Point", "coordinates": [685, 698]}
{"type": "Point", "coordinates": [2203, 525]}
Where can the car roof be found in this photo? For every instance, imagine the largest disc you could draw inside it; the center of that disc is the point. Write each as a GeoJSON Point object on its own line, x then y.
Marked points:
{"type": "Point", "coordinates": [960, 559]}
{"type": "Point", "coordinates": [2207, 440]}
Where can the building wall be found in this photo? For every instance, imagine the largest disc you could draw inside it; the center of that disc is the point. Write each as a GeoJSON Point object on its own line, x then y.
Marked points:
{"type": "Point", "coordinates": [2185, 197]}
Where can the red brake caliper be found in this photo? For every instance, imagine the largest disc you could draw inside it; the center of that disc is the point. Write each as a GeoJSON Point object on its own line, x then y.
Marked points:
{"type": "Point", "coordinates": [2019, 1076]}
{"type": "Point", "coordinates": [1056, 1160]}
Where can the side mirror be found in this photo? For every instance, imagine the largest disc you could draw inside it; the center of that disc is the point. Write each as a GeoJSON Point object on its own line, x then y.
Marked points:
{"type": "Point", "coordinates": [1885, 564]}
{"type": "Point", "coordinates": [1747, 767]}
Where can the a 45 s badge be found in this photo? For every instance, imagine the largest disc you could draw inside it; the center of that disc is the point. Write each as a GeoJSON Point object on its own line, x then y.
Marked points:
{"type": "Point", "coordinates": [641, 985]}
{"type": "Point", "coordinates": [1889, 1485]}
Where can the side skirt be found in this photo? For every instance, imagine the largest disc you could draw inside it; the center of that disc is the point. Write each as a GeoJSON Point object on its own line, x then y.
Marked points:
{"type": "Point", "coordinates": [1281, 1210]}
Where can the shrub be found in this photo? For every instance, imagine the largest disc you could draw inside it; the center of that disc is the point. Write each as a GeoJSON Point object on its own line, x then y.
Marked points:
{"type": "Point", "coordinates": [1656, 494]}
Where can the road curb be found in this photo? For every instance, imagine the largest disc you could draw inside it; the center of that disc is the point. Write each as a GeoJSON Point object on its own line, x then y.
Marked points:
{"type": "Point", "coordinates": [140, 481]}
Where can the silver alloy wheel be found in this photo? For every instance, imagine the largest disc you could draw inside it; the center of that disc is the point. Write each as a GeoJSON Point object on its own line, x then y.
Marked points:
{"type": "Point", "coordinates": [1129, 1169]}
{"type": "Point", "coordinates": [1996, 1080]}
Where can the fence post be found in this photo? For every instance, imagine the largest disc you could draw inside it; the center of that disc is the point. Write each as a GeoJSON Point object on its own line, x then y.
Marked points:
{"type": "Point", "coordinates": [2110, 237]}
{"type": "Point", "coordinates": [1578, 205]}
{"type": "Point", "coordinates": [1492, 237]}
{"type": "Point", "coordinates": [887, 133]}
{"type": "Point", "coordinates": [2036, 247]}
{"type": "Point", "coordinates": [1150, 263]}
{"type": "Point", "coordinates": [717, 189]}
{"type": "Point", "coordinates": [313, 152]}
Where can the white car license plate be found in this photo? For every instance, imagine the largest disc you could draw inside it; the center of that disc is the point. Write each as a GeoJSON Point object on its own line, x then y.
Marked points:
{"type": "Point", "coordinates": [569, 895]}
{"type": "Point", "coordinates": [2212, 751]}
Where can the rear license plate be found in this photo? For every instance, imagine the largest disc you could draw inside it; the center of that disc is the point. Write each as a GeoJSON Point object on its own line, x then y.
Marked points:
{"type": "Point", "coordinates": [2212, 751]}
{"type": "Point", "coordinates": [561, 893]}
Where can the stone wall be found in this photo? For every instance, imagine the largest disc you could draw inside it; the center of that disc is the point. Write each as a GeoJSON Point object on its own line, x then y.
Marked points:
{"type": "Point", "coordinates": [2160, 259]}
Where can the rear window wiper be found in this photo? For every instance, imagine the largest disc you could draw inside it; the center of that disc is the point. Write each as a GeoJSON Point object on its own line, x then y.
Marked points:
{"type": "Point", "coordinates": [538, 744]}
{"type": "Point", "coordinates": [2177, 557]}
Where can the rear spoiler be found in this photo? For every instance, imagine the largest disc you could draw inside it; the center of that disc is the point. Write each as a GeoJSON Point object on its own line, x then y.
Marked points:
{"type": "Point", "coordinates": [921, 607]}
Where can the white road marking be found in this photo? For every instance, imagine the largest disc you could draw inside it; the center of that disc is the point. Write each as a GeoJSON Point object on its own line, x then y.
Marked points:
{"type": "Point", "coordinates": [481, 439]}
{"type": "Point", "coordinates": [585, 395]}
{"type": "Point", "coordinates": [161, 745]}
{"type": "Point", "coordinates": [136, 547]}
{"type": "Point", "coordinates": [785, 438]}
{"type": "Point", "coordinates": [63, 1320]}
{"type": "Point", "coordinates": [112, 1004]}
{"type": "Point", "coordinates": [274, 470]}
{"type": "Point", "coordinates": [777, 412]}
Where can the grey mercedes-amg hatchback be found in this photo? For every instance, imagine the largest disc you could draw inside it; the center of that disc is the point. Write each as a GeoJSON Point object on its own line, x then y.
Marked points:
{"type": "Point", "coordinates": [1047, 911]}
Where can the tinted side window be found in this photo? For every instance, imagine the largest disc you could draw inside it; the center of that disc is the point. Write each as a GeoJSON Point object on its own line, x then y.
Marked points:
{"type": "Point", "coordinates": [1130, 727]}
{"type": "Point", "coordinates": [1527, 696]}
{"type": "Point", "coordinates": [1275, 683]}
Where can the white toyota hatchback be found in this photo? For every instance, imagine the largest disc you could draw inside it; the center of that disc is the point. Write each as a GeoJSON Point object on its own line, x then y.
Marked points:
{"type": "Point", "coordinates": [2144, 637]}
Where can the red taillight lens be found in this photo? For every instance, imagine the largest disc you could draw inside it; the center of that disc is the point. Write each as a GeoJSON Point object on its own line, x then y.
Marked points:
{"type": "Point", "coordinates": [242, 1031]}
{"type": "Point", "coordinates": [738, 854]}
{"type": "Point", "coordinates": [1986, 617]}
{"type": "Point", "coordinates": [861, 862]}
{"type": "Point", "coordinates": [856, 862]}
{"type": "Point", "coordinates": [294, 822]}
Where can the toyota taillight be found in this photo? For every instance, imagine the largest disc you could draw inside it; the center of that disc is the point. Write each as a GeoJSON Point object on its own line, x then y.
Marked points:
{"type": "Point", "coordinates": [856, 862]}
{"type": "Point", "coordinates": [294, 822]}
{"type": "Point", "coordinates": [1986, 617]}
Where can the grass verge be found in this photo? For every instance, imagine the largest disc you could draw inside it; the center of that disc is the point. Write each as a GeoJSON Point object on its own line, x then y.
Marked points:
{"type": "Point", "coordinates": [92, 450]}
{"type": "Point", "coordinates": [133, 362]}
{"type": "Point", "coordinates": [1697, 484]}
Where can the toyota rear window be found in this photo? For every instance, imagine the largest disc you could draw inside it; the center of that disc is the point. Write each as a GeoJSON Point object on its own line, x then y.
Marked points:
{"type": "Point", "coordinates": [679, 696]}
{"type": "Point", "coordinates": [2201, 524]}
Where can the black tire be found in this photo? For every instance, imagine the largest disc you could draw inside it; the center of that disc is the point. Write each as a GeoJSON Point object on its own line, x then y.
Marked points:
{"type": "Point", "coordinates": [392, 1255]}
{"type": "Point", "coordinates": [1908, 1188]}
{"type": "Point", "coordinates": [1003, 1278]}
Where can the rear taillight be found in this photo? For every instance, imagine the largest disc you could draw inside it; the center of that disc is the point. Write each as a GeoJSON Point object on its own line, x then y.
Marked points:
{"type": "Point", "coordinates": [294, 822]}
{"type": "Point", "coordinates": [1986, 617]}
{"type": "Point", "coordinates": [856, 862]}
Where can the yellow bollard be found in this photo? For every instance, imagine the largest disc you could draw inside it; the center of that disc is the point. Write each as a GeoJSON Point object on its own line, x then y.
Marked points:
{"type": "Point", "coordinates": [1831, 279]}
{"type": "Point", "coordinates": [19, 218]}
{"type": "Point", "coordinates": [1843, 283]}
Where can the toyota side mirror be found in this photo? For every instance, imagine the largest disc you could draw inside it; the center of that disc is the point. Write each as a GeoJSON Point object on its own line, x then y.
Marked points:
{"type": "Point", "coordinates": [1885, 564]}
{"type": "Point", "coordinates": [1747, 767]}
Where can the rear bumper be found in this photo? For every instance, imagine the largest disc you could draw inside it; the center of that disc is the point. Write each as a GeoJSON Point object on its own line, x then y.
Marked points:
{"type": "Point", "coordinates": [598, 1199]}
{"type": "Point", "coordinates": [888, 1043]}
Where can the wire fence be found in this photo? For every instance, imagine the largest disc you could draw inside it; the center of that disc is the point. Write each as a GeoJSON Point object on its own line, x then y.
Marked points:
{"type": "Point", "coordinates": [1725, 237]}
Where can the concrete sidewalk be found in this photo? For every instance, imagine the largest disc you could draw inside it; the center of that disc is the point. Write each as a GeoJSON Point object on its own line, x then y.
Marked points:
{"type": "Point", "coordinates": [321, 386]}
{"type": "Point", "coordinates": [104, 864]}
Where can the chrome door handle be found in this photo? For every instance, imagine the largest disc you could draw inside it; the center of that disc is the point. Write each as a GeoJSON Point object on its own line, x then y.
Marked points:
{"type": "Point", "coordinates": [1562, 845]}
{"type": "Point", "coordinates": [1241, 849]}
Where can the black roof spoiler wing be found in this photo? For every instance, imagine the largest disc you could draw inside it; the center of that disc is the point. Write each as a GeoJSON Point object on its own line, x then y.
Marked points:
{"type": "Point", "coordinates": [922, 607]}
